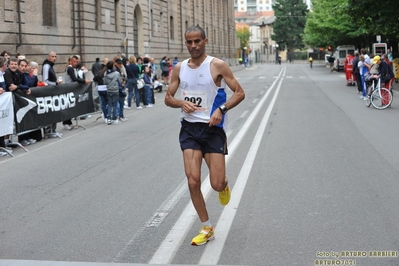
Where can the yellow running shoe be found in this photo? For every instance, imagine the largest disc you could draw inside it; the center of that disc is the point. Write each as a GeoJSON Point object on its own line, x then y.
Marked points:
{"type": "Point", "coordinates": [207, 233]}
{"type": "Point", "coordinates": [224, 196]}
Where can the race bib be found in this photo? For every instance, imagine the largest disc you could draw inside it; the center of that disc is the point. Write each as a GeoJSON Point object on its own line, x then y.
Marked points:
{"type": "Point", "coordinates": [199, 98]}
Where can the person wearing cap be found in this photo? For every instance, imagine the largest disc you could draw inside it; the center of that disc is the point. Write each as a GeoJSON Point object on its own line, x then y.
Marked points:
{"type": "Point", "coordinates": [385, 71]}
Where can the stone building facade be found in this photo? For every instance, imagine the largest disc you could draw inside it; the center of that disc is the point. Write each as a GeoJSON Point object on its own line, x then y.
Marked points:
{"type": "Point", "coordinates": [105, 28]}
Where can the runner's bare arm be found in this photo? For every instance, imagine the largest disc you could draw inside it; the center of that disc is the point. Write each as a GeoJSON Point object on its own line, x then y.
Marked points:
{"type": "Point", "coordinates": [222, 71]}
{"type": "Point", "coordinates": [170, 99]}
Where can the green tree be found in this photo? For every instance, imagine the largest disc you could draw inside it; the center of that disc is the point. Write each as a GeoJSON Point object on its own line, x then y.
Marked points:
{"type": "Point", "coordinates": [290, 23]}
{"type": "Point", "coordinates": [243, 34]}
{"type": "Point", "coordinates": [377, 19]}
{"type": "Point", "coordinates": [335, 22]}
{"type": "Point", "coordinates": [330, 23]}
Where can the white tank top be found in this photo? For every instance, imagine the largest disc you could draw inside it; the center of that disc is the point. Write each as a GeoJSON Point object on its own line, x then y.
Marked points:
{"type": "Point", "coordinates": [197, 86]}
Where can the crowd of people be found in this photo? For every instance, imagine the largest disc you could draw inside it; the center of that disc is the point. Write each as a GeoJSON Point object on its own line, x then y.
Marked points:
{"type": "Point", "coordinates": [361, 67]}
{"type": "Point", "coordinates": [115, 82]}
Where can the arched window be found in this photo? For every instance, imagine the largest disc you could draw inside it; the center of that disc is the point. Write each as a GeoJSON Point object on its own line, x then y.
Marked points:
{"type": "Point", "coordinates": [97, 15]}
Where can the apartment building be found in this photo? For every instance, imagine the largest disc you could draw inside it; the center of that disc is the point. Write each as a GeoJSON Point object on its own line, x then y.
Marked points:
{"type": "Point", "coordinates": [105, 28]}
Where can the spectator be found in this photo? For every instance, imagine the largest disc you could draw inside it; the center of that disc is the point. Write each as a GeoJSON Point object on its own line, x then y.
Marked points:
{"type": "Point", "coordinates": [389, 54]}
{"type": "Point", "coordinates": [50, 77]}
{"type": "Point", "coordinates": [385, 71]}
{"type": "Point", "coordinates": [25, 139]}
{"type": "Point", "coordinates": [112, 79]}
{"type": "Point", "coordinates": [356, 72]}
{"type": "Point", "coordinates": [146, 63]}
{"type": "Point", "coordinates": [31, 80]}
{"type": "Point", "coordinates": [6, 54]}
{"type": "Point", "coordinates": [3, 67]}
{"type": "Point", "coordinates": [12, 76]}
{"type": "Point", "coordinates": [118, 66]}
{"type": "Point", "coordinates": [132, 71]}
{"type": "Point", "coordinates": [154, 68]}
{"type": "Point", "coordinates": [165, 70]}
{"type": "Point", "coordinates": [363, 69]}
{"type": "Point", "coordinates": [72, 75]}
{"type": "Point", "coordinates": [140, 65]}
{"type": "Point", "coordinates": [96, 67]}
{"type": "Point", "coordinates": [102, 90]}
{"type": "Point", "coordinates": [175, 61]}
{"type": "Point", "coordinates": [12, 79]}
{"type": "Point", "coordinates": [147, 87]}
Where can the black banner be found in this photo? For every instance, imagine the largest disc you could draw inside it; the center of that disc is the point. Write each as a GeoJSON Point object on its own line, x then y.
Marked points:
{"type": "Point", "coordinates": [51, 104]}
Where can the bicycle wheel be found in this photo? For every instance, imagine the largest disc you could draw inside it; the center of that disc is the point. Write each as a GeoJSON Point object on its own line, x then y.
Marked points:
{"type": "Point", "coordinates": [381, 98]}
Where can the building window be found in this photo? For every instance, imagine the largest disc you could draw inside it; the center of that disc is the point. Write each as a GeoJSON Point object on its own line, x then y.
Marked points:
{"type": "Point", "coordinates": [117, 16]}
{"type": "Point", "coordinates": [97, 15]}
{"type": "Point", "coordinates": [49, 10]}
{"type": "Point", "coordinates": [172, 27]}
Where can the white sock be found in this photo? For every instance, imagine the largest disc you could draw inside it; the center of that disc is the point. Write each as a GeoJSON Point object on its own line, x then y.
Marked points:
{"type": "Point", "coordinates": [207, 223]}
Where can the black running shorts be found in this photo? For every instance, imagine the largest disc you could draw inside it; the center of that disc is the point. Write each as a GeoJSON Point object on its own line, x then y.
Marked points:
{"type": "Point", "coordinates": [165, 74]}
{"type": "Point", "coordinates": [200, 136]}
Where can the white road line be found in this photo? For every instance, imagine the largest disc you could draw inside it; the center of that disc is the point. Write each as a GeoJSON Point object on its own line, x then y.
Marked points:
{"type": "Point", "coordinates": [244, 114]}
{"type": "Point", "coordinates": [214, 249]}
{"type": "Point", "coordinates": [167, 250]}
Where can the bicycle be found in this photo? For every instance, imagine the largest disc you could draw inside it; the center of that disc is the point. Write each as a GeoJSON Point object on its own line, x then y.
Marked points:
{"type": "Point", "coordinates": [377, 96]}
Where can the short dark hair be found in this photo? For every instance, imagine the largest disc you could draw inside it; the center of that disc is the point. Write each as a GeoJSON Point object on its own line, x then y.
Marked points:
{"type": "Point", "coordinates": [110, 65]}
{"type": "Point", "coordinates": [22, 60]}
{"type": "Point", "coordinates": [195, 29]}
{"type": "Point", "coordinates": [4, 53]}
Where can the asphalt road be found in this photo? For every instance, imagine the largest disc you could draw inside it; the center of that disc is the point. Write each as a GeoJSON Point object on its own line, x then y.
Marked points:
{"type": "Point", "coordinates": [314, 176]}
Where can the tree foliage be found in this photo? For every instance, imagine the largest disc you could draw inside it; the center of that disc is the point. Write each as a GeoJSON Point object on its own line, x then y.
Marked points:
{"type": "Point", "coordinates": [243, 34]}
{"type": "Point", "coordinates": [290, 23]}
{"type": "Point", "coordinates": [378, 18]}
{"type": "Point", "coordinates": [329, 24]}
{"type": "Point", "coordinates": [351, 22]}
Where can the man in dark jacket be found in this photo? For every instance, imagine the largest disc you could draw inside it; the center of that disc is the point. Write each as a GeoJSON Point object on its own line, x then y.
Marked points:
{"type": "Point", "coordinates": [385, 71]}
{"type": "Point", "coordinates": [48, 72]}
{"type": "Point", "coordinates": [96, 67]}
{"type": "Point", "coordinates": [50, 77]}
